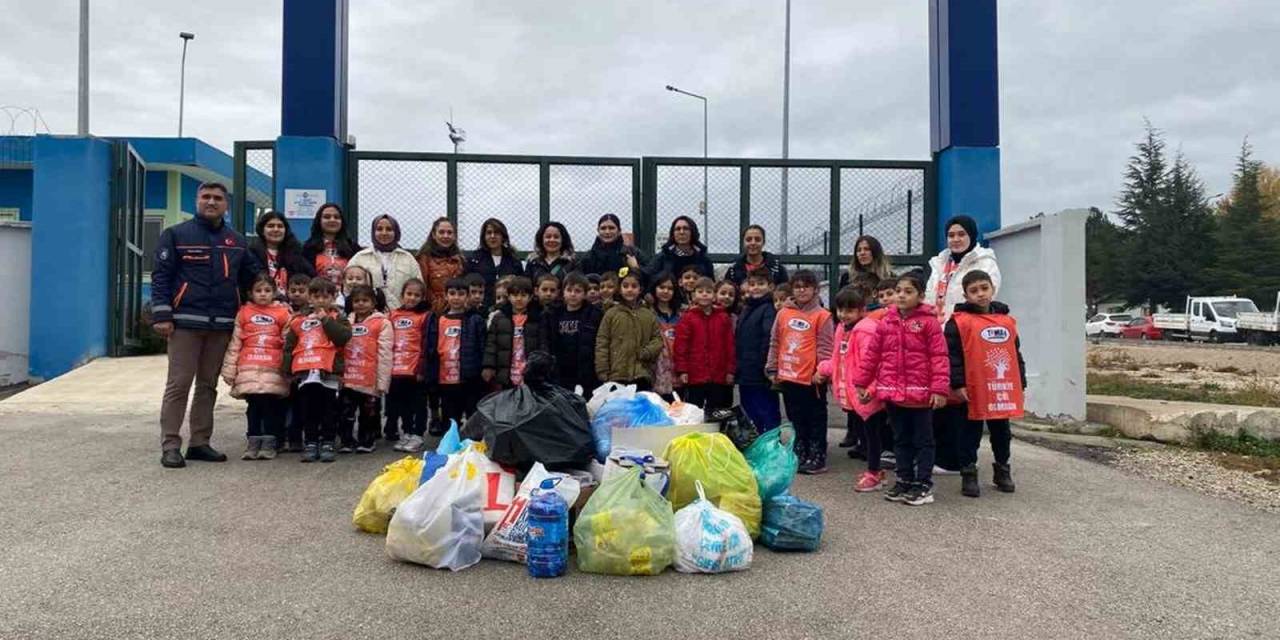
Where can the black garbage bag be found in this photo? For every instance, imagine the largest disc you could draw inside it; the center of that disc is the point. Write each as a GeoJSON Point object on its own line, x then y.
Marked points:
{"type": "Point", "coordinates": [537, 421]}
{"type": "Point", "coordinates": [736, 424]}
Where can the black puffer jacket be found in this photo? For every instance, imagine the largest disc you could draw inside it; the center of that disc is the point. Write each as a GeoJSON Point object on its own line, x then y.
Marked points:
{"type": "Point", "coordinates": [471, 348]}
{"type": "Point", "coordinates": [755, 324]}
{"type": "Point", "coordinates": [739, 270]}
{"type": "Point", "coordinates": [482, 263]}
{"type": "Point", "coordinates": [501, 335]}
{"type": "Point", "coordinates": [603, 258]}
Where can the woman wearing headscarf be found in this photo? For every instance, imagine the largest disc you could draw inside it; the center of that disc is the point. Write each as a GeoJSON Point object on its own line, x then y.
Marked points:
{"type": "Point", "coordinates": [610, 252]}
{"type": "Point", "coordinates": [329, 247]}
{"type": "Point", "coordinates": [754, 258]}
{"type": "Point", "coordinates": [683, 248]}
{"type": "Point", "coordinates": [944, 291]}
{"type": "Point", "coordinates": [868, 257]}
{"type": "Point", "coordinates": [439, 259]}
{"type": "Point", "coordinates": [494, 257]}
{"type": "Point", "coordinates": [553, 253]}
{"type": "Point", "coordinates": [277, 249]}
{"type": "Point", "coordinates": [389, 264]}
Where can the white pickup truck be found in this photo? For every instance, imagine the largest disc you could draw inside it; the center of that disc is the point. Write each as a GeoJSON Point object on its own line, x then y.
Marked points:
{"type": "Point", "coordinates": [1260, 327]}
{"type": "Point", "coordinates": [1207, 318]}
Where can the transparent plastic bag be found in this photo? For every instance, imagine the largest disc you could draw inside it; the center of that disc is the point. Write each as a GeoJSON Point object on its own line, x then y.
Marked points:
{"type": "Point", "coordinates": [625, 529]}
{"type": "Point", "coordinates": [442, 524]}
{"type": "Point", "coordinates": [380, 499]}
{"type": "Point", "coordinates": [637, 411]}
{"type": "Point", "coordinates": [712, 459]}
{"type": "Point", "coordinates": [709, 539]}
{"type": "Point", "coordinates": [773, 461]}
{"type": "Point", "coordinates": [792, 524]}
{"type": "Point", "coordinates": [606, 392]}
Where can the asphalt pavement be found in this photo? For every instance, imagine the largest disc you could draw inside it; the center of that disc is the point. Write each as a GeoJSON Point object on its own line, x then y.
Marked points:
{"type": "Point", "coordinates": [99, 541]}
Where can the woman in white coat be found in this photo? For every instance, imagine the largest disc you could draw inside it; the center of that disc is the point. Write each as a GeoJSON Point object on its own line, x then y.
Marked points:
{"type": "Point", "coordinates": [948, 268]}
{"type": "Point", "coordinates": [944, 291]}
{"type": "Point", "coordinates": [390, 265]}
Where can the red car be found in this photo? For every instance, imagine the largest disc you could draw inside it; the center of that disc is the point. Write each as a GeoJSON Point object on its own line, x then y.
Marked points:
{"type": "Point", "coordinates": [1140, 329]}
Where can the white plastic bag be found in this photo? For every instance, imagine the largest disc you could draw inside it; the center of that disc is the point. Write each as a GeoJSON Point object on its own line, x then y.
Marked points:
{"type": "Point", "coordinates": [442, 524]}
{"type": "Point", "coordinates": [710, 539]}
{"type": "Point", "coordinates": [507, 541]}
{"type": "Point", "coordinates": [607, 392]}
{"type": "Point", "coordinates": [684, 413]}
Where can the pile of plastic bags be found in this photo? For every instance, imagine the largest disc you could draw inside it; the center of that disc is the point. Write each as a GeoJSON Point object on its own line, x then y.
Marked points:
{"type": "Point", "coordinates": [625, 529]}
{"type": "Point", "coordinates": [616, 406]}
{"type": "Point", "coordinates": [710, 458]}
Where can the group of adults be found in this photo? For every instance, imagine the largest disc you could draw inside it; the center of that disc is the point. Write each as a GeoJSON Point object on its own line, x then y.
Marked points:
{"type": "Point", "coordinates": [202, 265]}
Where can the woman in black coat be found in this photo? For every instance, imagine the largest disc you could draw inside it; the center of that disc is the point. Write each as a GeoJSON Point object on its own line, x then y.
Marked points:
{"type": "Point", "coordinates": [494, 258]}
{"type": "Point", "coordinates": [683, 248]}
{"type": "Point", "coordinates": [754, 258]}
{"type": "Point", "coordinates": [610, 252]}
{"type": "Point", "coordinates": [278, 250]}
{"type": "Point", "coordinates": [552, 253]}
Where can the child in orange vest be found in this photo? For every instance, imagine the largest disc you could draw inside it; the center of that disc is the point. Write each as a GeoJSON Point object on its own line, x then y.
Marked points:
{"type": "Point", "coordinates": [704, 355]}
{"type": "Point", "coordinates": [252, 367]}
{"type": "Point", "coordinates": [801, 338]}
{"type": "Point", "coordinates": [853, 334]}
{"type": "Point", "coordinates": [367, 374]}
{"type": "Point", "coordinates": [987, 370]}
{"type": "Point", "coordinates": [907, 360]}
{"type": "Point", "coordinates": [454, 349]}
{"type": "Point", "coordinates": [313, 354]}
{"type": "Point", "coordinates": [407, 397]}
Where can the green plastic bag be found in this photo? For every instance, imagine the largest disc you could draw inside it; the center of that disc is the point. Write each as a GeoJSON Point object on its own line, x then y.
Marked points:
{"type": "Point", "coordinates": [773, 462]}
{"type": "Point", "coordinates": [626, 529]}
{"type": "Point", "coordinates": [726, 477]}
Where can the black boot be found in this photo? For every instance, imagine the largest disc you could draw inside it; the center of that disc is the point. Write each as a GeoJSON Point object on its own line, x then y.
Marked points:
{"type": "Point", "coordinates": [969, 482]}
{"type": "Point", "coordinates": [850, 439]}
{"type": "Point", "coordinates": [1002, 478]}
{"type": "Point", "coordinates": [805, 455]}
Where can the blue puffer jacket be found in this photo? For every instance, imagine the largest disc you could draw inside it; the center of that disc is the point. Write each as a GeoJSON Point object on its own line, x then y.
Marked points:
{"type": "Point", "coordinates": [199, 273]}
{"type": "Point", "coordinates": [471, 350]}
{"type": "Point", "coordinates": [755, 324]}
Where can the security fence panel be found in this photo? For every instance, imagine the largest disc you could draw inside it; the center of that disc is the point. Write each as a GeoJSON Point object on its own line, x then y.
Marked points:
{"type": "Point", "coordinates": [677, 190]}
{"type": "Point", "coordinates": [507, 191]}
{"type": "Point", "coordinates": [807, 209]}
{"type": "Point", "coordinates": [581, 193]}
{"type": "Point", "coordinates": [253, 183]}
{"type": "Point", "coordinates": [885, 203]}
{"type": "Point", "coordinates": [410, 190]}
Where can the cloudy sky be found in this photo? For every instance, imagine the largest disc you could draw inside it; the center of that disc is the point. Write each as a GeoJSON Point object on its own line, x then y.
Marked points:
{"type": "Point", "coordinates": [586, 77]}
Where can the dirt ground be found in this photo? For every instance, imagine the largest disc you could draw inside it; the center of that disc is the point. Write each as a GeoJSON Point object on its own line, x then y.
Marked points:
{"type": "Point", "coordinates": [1228, 366]}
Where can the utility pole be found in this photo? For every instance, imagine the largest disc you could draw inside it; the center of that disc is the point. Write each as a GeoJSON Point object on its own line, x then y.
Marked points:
{"type": "Point", "coordinates": [182, 81]}
{"type": "Point", "coordinates": [786, 123]}
{"type": "Point", "coordinates": [82, 106]}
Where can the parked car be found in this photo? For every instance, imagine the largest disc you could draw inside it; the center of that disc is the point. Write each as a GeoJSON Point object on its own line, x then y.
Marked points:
{"type": "Point", "coordinates": [1141, 329]}
{"type": "Point", "coordinates": [1107, 324]}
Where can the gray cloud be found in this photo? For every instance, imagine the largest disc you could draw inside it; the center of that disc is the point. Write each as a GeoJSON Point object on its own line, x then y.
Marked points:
{"type": "Point", "coordinates": [586, 78]}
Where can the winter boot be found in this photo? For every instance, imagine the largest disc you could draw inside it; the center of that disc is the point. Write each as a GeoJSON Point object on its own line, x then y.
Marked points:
{"type": "Point", "coordinates": [969, 482]}
{"type": "Point", "coordinates": [804, 453]}
{"type": "Point", "coordinates": [1002, 478]}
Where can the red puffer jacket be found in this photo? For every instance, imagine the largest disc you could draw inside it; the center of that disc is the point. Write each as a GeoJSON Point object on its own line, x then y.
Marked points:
{"type": "Point", "coordinates": [704, 346]}
{"type": "Point", "coordinates": [907, 359]}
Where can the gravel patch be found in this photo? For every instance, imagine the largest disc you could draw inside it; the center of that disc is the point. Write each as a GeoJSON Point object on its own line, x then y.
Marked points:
{"type": "Point", "coordinates": [1199, 471]}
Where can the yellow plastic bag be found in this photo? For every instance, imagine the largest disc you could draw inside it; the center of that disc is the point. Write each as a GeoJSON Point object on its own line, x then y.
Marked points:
{"type": "Point", "coordinates": [397, 481]}
{"type": "Point", "coordinates": [626, 529]}
{"type": "Point", "coordinates": [726, 477]}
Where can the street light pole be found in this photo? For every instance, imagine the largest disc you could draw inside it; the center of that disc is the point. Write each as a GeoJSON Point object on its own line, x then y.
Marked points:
{"type": "Point", "coordinates": [182, 82]}
{"type": "Point", "coordinates": [706, 231]}
{"type": "Point", "coordinates": [82, 97]}
{"type": "Point", "coordinates": [786, 123]}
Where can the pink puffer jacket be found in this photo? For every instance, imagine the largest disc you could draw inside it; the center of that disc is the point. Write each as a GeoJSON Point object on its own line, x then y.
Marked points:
{"type": "Point", "coordinates": [850, 349]}
{"type": "Point", "coordinates": [907, 359]}
{"type": "Point", "coordinates": [249, 380]}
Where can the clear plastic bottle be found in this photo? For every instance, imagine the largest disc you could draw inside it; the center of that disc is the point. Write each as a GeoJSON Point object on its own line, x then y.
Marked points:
{"type": "Point", "coordinates": [548, 532]}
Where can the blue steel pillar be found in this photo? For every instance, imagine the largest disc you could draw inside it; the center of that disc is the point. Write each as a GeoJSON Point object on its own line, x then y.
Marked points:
{"type": "Point", "coordinates": [310, 152]}
{"type": "Point", "coordinates": [965, 111]}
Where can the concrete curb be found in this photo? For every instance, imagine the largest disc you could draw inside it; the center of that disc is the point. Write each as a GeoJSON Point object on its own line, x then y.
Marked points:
{"type": "Point", "coordinates": [1166, 421]}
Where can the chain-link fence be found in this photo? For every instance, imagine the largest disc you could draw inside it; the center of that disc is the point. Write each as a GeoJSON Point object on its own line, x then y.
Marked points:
{"type": "Point", "coordinates": [521, 191]}
{"type": "Point", "coordinates": [253, 188]}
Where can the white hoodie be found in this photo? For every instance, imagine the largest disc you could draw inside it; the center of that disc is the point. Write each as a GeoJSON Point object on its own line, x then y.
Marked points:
{"type": "Point", "coordinates": [980, 259]}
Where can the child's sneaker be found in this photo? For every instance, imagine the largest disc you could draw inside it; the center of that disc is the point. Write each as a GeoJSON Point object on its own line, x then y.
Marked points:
{"type": "Point", "coordinates": [327, 453]}
{"type": "Point", "coordinates": [818, 463]}
{"type": "Point", "coordinates": [898, 492]}
{"type": "Point", "coordinates": [268, 450]}
{"type": "Point", "coordinates": [869, 481]}
{"type": "Point", "coordinates": [366, 448]}
{"type": "Point", "coordinates": [346, 447]}
{"type": "Point", "coordinates": [310, 452]}
{"type": "Point", "coordinates": [919, 494]}
{"type": "Point", "coordinates": [253, 444]}
{"type": "Point", "coordinates": [411, 444]}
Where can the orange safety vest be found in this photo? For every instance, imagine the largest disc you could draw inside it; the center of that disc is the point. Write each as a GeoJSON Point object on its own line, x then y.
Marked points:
{"type": "Point", "coordinates": [361, 369]}
{"type": "Point", "coordinates": [668, 332]}
{"type": "Point", "coordinates": [406, 353]}
{"type": "Point", "coordinates": [940, 294]}
{"type": "Point", "coordinates": [518, 356]}
{"type": "Point", "coordinates": [314, 349]}
{"type": "Point", "coordinates": [329, 264]}
{"type": "Point", "coordinates": [991, 374]}
{"type": "Point", "coordinates": [262, 335]}
{"type": "Point", "coordinates": [798, 343]}
{"type": "Point", "coordinates": [449, 348]}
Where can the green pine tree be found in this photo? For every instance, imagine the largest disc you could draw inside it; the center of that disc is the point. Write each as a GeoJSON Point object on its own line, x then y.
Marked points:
{"type": "Point", "coordinates": [1103, 253]}
{"type": "Point", "coordinates": [1154, 272]}
{"type": "Point", "coordinates": [1247, 242]}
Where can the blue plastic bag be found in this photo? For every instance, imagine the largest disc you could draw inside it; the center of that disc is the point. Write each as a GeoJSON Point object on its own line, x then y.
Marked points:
{"type": "Point", "coordinates": [791, 524]}
{"type": "Point", "coordinates": [622, 413]}
{"type": "Point", "coordinates": [773, 462]}
{"type": "Point", "coordinates": [450, 443]}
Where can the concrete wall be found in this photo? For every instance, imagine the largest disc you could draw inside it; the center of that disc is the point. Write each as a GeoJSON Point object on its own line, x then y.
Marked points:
{"type": "Point", "coordinates": [1042, 264]}
{"type": "Point", "coordinates": [15, 299]}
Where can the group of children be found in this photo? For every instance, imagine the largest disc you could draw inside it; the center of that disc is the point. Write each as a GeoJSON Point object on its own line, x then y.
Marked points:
{"type": "Point", "coordinates": [317, 371]}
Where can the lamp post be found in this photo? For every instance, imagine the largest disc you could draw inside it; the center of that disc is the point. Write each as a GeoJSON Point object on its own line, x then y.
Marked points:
{"type": "Point", "coordinates": [82, 94]}
{"type": "Point", "coordinates": [706, 231]}
{"type": "Point", "coordinates": [786, 123]}
{"type": "Point", "coordinates": [182, 82]}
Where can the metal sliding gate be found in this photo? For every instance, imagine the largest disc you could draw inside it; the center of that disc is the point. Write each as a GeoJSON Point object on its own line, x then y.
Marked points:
{"type": "Point", "coordinates": [124, 274]}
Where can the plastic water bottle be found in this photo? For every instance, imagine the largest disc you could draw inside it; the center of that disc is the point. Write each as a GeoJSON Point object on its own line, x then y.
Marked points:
{"type": "Point", "coordinates": [548, 532]}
